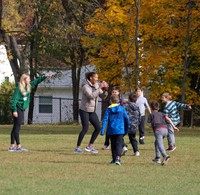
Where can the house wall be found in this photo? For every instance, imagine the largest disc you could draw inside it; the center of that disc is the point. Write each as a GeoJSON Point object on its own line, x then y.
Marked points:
{"type": "Point", "coordinates": [62, 106]}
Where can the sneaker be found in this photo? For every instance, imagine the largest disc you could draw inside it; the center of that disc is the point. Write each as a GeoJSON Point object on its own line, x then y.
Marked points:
{"type": "Point", "coordinates": [141, 140]}
{"type": "Point", "coordinates": [124, 150]}
{"type": "Point", "coordinates": [91, 149]}
{"type": "Point", "coordinates": [117, 162]}
{"type": "Point", "coordinates": [137, 153]}
{"type": "Point", "coordinates": [21, 149]}
{"type": "Point", "coordinates": [78, 151]}
{"type": "Point", "coordinates": [165, 160]}
{"type": "Point", "coordinates": [171, 148]}
{"type": "Point", "coordinates": [105, 147]}
{"type": "Point", "coordinates": [156, 160]}
{"type": "Point", "coordinates": [112, 162]}
{"type": "Point", "coordinates": [12, 149]}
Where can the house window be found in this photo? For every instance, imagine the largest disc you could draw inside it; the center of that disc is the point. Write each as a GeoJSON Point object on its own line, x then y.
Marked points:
{"type": "Point", "coordinates": [45, 104]}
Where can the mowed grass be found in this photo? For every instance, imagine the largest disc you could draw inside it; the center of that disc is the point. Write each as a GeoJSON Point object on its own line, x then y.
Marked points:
{"type": "Point", "coordinates": [51, 167]}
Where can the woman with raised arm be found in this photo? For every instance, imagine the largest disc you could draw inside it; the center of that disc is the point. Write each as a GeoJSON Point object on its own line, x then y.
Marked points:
{"type": "Point", "coordinates": [91, 90]}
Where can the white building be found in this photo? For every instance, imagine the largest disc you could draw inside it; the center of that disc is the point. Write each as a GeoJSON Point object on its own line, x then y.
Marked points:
{"type": "Point", "coordinates": [54, 99]}
{"type": "Point", "coordinates": [5, 68]}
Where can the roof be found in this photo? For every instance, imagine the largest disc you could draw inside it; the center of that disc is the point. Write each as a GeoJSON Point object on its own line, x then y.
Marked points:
{"type": "Point", "coordinates": [63, 78]}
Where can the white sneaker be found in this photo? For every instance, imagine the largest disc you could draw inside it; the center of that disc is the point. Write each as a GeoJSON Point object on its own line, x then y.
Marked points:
{"type": "Point", "coordinates": [124, 150]}
{"type": "Point", "coordinates": [91, 149]}
{"type": "Point", "coordinates": [137, 153]}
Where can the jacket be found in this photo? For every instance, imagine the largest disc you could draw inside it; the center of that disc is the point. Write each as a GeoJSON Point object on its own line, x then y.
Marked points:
{"type": "Point", "coordinates": [116, 119]}
{"type": "Point", "coordinates": [90, 95]}
{"type": "Point", "coordinates": [22, 101]}
{"type": "Point", "coordinates": [157, 120]}
{"type": "Point", "coordinates": [134, 115]}
{"type": "Point", "coordinates": [171, 109]}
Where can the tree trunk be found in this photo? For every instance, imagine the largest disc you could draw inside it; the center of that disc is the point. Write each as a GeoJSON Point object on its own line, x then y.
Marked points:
{"type": "Point", "coordinates": [75, 90]}
{"type": "Point", "coordinates": [186, 59]}
{"type": "Point", "coordinates": [137, 5]}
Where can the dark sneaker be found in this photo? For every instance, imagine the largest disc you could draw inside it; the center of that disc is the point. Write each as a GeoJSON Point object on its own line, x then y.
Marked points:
{"type": "Point", "coordinates": [112, 162]}
{"type": "Point", "coordinates": [171, 148]}
{"type": "Point", "coordinates": [117, 162]}
{"type": "Point", "coordinates": [165, 160]}
{"type": "Point", "coordinates": [156, 160]}
{"type": "Point", "coordinates": [78, 151]}
{"type": "Point", "coordinates": [141, 140]}
{"type": "Point", "coordinates": [91, 149]}
{"type": "Point", "coordinates": [105, 147]}
{"type": "Point", "coordinates": [12, 149]}
{"type": "Point", "coordinates": [21, 149]}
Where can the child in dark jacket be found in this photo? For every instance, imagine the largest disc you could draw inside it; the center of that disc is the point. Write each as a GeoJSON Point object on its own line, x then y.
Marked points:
{"type": "Point", "coordinates": [134, 114]}
{"type": "Point", "coordinates": [159, 125]}
{"type": "Point", "coordinates": [117, 121]}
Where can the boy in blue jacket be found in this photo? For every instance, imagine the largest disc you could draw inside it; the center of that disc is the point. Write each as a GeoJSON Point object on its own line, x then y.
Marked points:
{"type": "Point", "coordinates": [117, 120]}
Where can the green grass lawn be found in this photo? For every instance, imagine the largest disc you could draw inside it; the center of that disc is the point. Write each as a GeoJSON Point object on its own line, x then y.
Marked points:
{"type": "Point", "coordinates": [51, 167]}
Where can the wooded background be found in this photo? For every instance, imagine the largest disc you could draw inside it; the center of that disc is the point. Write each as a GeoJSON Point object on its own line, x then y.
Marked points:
{"type": "Point", "coordinates": [153, 43]}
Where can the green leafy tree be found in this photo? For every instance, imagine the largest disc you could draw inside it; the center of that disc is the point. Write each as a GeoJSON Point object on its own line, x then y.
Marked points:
{"type": "Point", "coordinates": [6, 91]}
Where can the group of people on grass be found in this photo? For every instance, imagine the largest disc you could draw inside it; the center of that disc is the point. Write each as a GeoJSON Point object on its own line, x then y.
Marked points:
{"type": "Point", "coordinates": [120, 118]}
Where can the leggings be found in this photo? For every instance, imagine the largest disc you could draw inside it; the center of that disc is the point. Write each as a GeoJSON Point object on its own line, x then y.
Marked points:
{"type": "Point", "coordinates": [87, 117]}
{"type": "Point", "coordinates": [16, 127]}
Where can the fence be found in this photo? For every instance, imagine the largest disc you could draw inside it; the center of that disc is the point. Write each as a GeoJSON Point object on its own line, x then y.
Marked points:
{"type": "Point", "coordinates": [48, 109]}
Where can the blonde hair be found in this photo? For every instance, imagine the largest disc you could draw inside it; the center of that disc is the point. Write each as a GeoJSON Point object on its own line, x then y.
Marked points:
{"type": "Point", "coordinates": [22, 86]}
{"type": "Point", "coordinates": [167, 96]}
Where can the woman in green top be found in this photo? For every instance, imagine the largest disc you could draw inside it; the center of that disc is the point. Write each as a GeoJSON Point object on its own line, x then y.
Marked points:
{"type": "Point", "coordinates": [20, 102]}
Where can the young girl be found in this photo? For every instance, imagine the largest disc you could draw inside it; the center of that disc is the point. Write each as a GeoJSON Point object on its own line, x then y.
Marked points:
{"type": "Point", "coordinates": [171, 110]}
{"type": "Point", "coordinates": [20, 102]}
{"type": "Point", "coordinates": [159, 125]}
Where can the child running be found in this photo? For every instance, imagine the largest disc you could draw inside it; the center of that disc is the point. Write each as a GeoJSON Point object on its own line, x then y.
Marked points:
{"type": "Point", "coordinates": [159, 126]}
{"type": "Point", "coordinates": [134, 115]}
{"type": "Point", "coordinates": [171, 110]}
{"type": "Point", "coordinates": [114, 91]}
{"type": "Point", "coordinates": [117, 121]}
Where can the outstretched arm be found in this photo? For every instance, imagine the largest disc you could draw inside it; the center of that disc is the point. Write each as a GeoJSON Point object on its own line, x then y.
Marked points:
{"type": "Point", "coordinates": [170, 121]}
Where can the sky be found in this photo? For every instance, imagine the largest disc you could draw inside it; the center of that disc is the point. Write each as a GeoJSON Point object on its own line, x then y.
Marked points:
{"type": "Point", "coordinates": [5, 69]}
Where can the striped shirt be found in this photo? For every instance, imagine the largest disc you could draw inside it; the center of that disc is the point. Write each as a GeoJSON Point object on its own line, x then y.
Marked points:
{"type": "Point", "coordinates": [171, 110]}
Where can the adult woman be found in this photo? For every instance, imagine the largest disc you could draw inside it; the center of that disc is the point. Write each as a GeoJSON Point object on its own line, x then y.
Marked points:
{"type": "Point", "coordinates": [20, 102]}
{"type": "Point", "coordinates": [90, 92]}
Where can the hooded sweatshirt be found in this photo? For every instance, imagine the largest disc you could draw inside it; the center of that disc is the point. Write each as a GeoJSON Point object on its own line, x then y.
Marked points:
{"type": "Point", "coordinates": [90, 95]}
{"type": "Point", "coordinates": [116, 119]}
{"type": "Point", "coordinates": [133, 111]}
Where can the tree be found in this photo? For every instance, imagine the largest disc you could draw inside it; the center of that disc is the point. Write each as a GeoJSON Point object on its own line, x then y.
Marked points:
{"type": "Point", "coordinates": [6, 90]}
{"type": "Point", "coordinates": [111, 42]}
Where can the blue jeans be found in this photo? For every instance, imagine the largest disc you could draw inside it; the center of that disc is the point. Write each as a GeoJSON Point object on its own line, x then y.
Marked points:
{"type": "Point", "coordinates": [159, 145]}
{"type": "Point", "coordinates": [170, 136]}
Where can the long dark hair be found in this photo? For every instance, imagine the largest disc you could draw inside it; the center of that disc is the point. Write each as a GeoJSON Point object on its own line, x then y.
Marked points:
{"type": "Point", "coordinates": [89, 74]}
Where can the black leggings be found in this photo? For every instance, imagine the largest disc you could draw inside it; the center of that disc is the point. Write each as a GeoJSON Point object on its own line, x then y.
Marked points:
{"type": "Point", "coordinates": [87, 117]}
{"type": "Point", "coordinates": [16, 127]}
